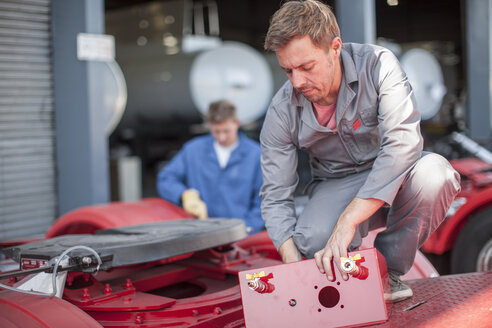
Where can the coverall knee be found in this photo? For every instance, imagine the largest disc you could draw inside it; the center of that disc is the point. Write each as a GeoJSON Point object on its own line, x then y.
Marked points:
{"type": "Point", "coordinates": [419, 207]}
{"type": "Point", "coordinates": [417, 210]}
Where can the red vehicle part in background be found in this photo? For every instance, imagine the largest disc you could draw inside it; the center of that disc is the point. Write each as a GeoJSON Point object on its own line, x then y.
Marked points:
{"type": "Point", "coordinates": [21, 310]}
{"type": "Point", "coordinates": [467, 229]}
{"type": "Point", "coordinates": [117, 214]}
{"type": "Point", "coordinates": [195, 288]}
{"type": "Point", "coordinates": [89, 219]}
{"type": "Point", "coordinates": [198, 289]}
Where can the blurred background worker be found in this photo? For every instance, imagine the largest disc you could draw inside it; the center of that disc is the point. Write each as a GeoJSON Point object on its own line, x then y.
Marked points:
{"type": "Point", "coordinates": [218, 174]}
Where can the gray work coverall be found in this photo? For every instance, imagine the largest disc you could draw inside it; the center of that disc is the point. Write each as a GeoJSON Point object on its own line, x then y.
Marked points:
{"type": "Point", "coordinates": [376, 152]}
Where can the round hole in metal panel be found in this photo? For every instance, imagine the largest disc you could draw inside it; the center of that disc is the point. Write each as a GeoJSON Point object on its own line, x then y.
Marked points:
{"type": "Point", "coordinates": [329, 296]}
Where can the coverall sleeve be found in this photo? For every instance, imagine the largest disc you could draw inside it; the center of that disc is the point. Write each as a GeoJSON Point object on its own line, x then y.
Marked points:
{"type": "Point", "coordinates": [399, 128]}
{"type": "Point", "coordinates": [253, 218]}
{"type": "Point", "coordinates": [171, 180]}
{"type": "Point", "coordinates": [279, 164]}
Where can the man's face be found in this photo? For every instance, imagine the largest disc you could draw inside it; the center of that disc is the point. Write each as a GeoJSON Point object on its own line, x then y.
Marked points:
{"type": "Point", "coordinates": [225, 133]}
{"type": "Point", "coordinates": [314, 72]}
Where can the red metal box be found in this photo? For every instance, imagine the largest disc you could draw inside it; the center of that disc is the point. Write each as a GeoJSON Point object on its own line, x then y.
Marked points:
{"type": "Point", "coordinates": [298, 295]}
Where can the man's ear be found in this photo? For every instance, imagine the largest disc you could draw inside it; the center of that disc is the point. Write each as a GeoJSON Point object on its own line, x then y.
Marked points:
{"type": "Point", "coordinates": [336, 45]}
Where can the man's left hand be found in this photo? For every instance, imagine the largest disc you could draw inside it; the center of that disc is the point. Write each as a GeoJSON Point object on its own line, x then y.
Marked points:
{"type": "Point", "coordinates": [356, 212]}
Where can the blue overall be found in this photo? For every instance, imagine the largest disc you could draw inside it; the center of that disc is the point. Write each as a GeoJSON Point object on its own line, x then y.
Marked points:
{"type": "Point", "coordinates": [229, 192]}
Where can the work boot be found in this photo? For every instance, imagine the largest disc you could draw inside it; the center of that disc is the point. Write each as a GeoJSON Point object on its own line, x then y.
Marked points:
{"type": "Point", "coordinates": [399, 291]}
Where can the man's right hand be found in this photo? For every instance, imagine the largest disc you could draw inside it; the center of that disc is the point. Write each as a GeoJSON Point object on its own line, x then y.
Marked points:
{"type": "Point", "coordinates": [193, 204]}
{"type": "Point", "coordinates": [288, 251]}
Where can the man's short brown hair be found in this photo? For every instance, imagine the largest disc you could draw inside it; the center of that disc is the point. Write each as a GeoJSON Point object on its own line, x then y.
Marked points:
{"type": "Point", "coordinates": [299, 18]}
{"type": "Point", "coordinates": [221, 111]}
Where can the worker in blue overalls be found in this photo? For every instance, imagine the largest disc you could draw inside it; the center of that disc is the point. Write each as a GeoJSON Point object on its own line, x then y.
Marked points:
{"type": "Point", "coordinates": [218, 174]}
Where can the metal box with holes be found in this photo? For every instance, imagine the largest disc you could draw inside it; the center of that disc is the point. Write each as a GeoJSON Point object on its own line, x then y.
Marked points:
{"type": "Point", "coordinates": [298, 295]}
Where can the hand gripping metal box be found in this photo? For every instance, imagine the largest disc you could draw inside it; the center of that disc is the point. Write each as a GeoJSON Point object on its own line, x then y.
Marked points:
{"type": "Point", "coordinates": [298, 295]}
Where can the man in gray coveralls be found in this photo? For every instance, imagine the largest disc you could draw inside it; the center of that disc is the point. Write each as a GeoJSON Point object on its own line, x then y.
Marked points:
{"type": "Point", "coordinates": [352, 109]}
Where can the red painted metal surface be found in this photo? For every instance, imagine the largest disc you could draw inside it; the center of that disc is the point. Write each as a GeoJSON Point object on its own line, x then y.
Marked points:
{"type": "Point", "coordinates": [30, 311]}
{"type": "Point", "coordinates": [196, 290]}
{"type": "Point", "coordinates": [475, 170]}
{"type": "Point", "coordinates": [193, 290]}
{"type": "Point", "coordinates": [92, 218]}
{"type": "Point", "coordinates": [476, 185]}
{"type": "Point", "coordinates": [300, 296]}
{"type": "Point", "coordinates": [201, 290]}
{"type": "Point", "coordinates": [453, 301]}
{"type": "Point", "coordinates": [116, 214]}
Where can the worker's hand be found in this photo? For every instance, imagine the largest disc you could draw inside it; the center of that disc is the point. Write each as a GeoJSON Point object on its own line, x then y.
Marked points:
{"type": "Point", "coordinates": [359, 210]}
{"type": "Point", "coordinates": [193, 204]}
{"type": "Point", "coordinates": [335, 248]}
{"type": "Point", "coordinates": [288, 251]}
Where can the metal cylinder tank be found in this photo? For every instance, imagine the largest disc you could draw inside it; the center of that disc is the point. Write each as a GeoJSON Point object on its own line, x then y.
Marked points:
{"type": "Point", "coordinates": [165, 88]}
{"type": "Point", "coordinates": [169, 84]}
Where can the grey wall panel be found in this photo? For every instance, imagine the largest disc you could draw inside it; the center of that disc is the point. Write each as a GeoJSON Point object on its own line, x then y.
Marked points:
{"type": "Point", "coordinates": [27, 139]}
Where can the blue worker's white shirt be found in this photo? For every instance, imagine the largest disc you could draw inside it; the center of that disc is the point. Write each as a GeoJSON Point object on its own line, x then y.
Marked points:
{"type": "Point", "coordinates": [224, 152]}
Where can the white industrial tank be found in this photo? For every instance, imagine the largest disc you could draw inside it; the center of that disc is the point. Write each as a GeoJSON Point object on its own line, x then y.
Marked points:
{"type": "Point", "coordinates": [171, 84]}
{"type": "Point", "coordinates": [425, 75]}
{"type": "Point", "coordinates": [115, 94]}
{"type": "Point", "coordinates": [178, 88]}
{"type": "Point", "coordinates": [236, 72]}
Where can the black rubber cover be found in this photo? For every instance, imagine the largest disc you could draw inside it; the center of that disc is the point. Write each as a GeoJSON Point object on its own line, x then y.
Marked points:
{"type": "Point", "coordinates": [139, 243]}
